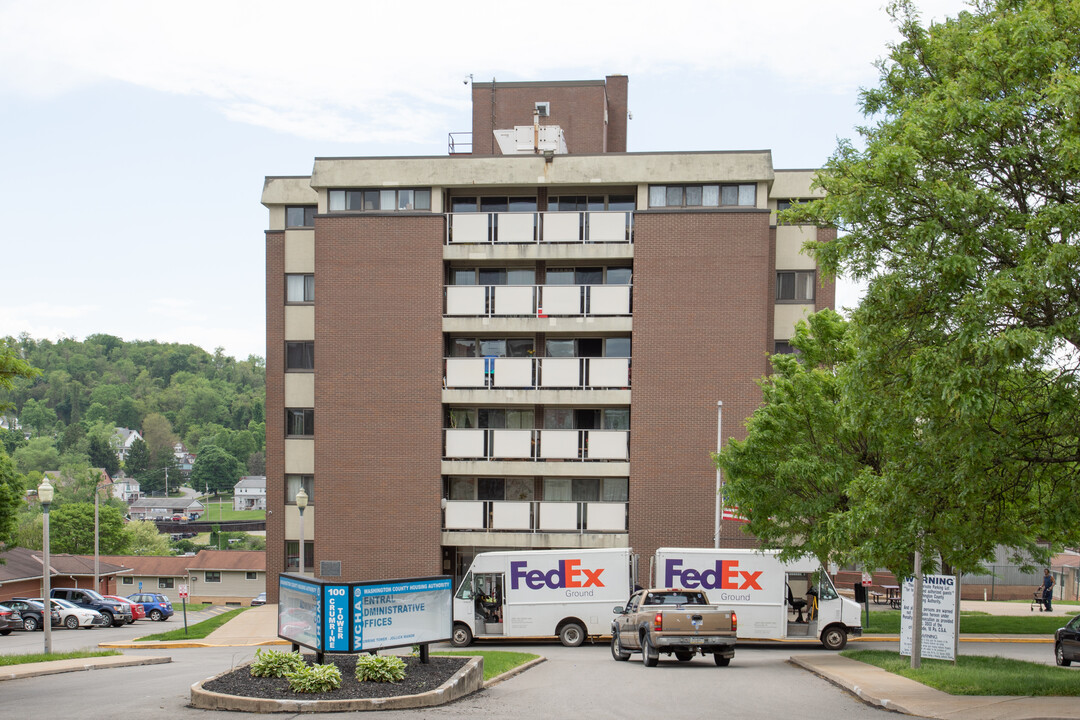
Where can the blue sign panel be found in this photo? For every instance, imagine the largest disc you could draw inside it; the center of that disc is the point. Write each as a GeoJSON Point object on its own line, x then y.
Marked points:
{"type": "Point", "coordinates": [336, 624]}
{"type": "Point", "coordinates": [406, 612]}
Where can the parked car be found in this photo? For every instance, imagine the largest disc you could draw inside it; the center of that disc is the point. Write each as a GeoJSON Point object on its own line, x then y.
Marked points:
{"type": "Point", "coordinates": [10, 619]}
{"type": "Point", "coordinates": [74, 617]}
{"type": "Point", "coordinates": [137, 610]}
{"type": "Point", "coordinates": [259, 599]}
{"type": "Point", "coordinates": [157, 606]}
{"type": "Point", "coordinates": [1067, 643]}
{"type": "Point", "coordinates": [118, 614]}
{"type": "Point", "coordinates": [31, 611]}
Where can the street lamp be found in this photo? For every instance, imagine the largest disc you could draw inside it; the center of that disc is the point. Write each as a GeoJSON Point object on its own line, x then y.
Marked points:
{"type": "Point", "coordinates": [45, 495]}
{"type": "Point", "coordinates": [301, 503]}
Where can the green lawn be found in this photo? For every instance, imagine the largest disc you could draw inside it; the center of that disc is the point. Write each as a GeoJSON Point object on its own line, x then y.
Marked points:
{"type": "Point", "coordinates": [196, 631]}
{"type": "Point", "coordinates": [977, 675]}
{"type": "Point", "coordinates": [222, 510]}
{"type": "Point", "coordinates": [888, 622]}
{"type": "Point", "coordinates": [496, 662]}
{"type": "Point", "coordinates": [42, 657]}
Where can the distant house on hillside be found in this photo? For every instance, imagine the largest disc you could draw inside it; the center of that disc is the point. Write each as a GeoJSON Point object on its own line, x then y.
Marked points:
{"type": "Point", "coordinates": [183, 458]}
{"type": "Point", "coordinates": [126, 488]}
{"type": "Point", "coordinates": [124, 438]}
{"type": "Point", "coordinates": [250, 493]}
{"type": "Point", "coordinates": [165, 508]}
{"type": "Point", "coordinates": [60, 478]}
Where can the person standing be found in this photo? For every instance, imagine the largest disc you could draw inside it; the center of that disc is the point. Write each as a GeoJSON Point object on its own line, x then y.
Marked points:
{"type": "Point", "coordinates": [1047, 589]}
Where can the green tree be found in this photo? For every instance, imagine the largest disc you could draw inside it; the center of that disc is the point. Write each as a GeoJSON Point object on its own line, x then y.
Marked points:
{"type": "Point", "coordinates": [216, 469]}
{"type": "Point", "coordinates": [962, 213]}
{"type": "Point", "coordinates": [71, 529]}
{"type": "Point", "coordinates": [138, 458]}
{"type": "Point", "coordinates": [11, 500]}
{"type": "Point", "coordinates": [143, 538]}
{"type": "Point", "coordinates": [160, 439]}
{"type": "Point", "coordinates": [102, 455]}
{"type": "Point", "coordinates": [38, 416]}
{"type": "Point", "coordinates": [12, 367]}
{"type": "Point", "coordinates": [38, 454]}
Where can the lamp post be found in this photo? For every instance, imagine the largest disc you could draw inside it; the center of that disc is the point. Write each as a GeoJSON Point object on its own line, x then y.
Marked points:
{"type": "Point", "coordinates": [45, 495]}
{"type": "Point", "coordinates": [301, 504]}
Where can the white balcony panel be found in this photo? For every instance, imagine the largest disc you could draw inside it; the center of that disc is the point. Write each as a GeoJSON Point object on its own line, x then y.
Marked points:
{"type": "Point", "coordinates": [511, 516]}
{"type": "Point", "coordinates": [608, 444]}
{"type": "Point", "coordinates": [464, 443]}
{"type": "Point", "coordinates": [609, 373]}
{"type": "Point", "coordinates": [514, 300]}
{"type": "Point", "coordinates": [559, 444]}
{"type": "Point", "coordinates": [516, 227]}
{"type": "Point", "coordinates": [560, 372]}
{"type": "Point", "coordinates": [464, 372]}
{"type": "Point", "coordinates": [605, 516]}
{"type": "Point", "coordinates": [561, 299]}
{"type": "Point", "coordinates": [512, 444]}
{"type": "Point", "coordinates": [562, 227]}
{"type": "Point", "coordinates": [462, 515]}
{"type": "Point", "coordinates": [609, 300]}
{"type": "Point", "coordinates": [465, 300]}
{"type": "Point", "coordinates": [558, 516]}
{"type": "Point", "coordinates": [469, 228]}
{"type": "Point", "coordinates": [513, 372]}
{"type": "Point", "coordinates": [607, 227]}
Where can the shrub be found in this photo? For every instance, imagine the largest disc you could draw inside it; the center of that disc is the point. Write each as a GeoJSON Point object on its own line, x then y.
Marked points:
{"type": "Point", "coordinates": [315, 679]}
{"type": "Point", "coordinates": [380, 668]}
{"type": "Point", "coordinates": [274, 663]}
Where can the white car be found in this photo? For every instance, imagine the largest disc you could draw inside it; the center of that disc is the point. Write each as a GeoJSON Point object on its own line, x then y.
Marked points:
{"type": "Point", "coordinates": [74, 617]}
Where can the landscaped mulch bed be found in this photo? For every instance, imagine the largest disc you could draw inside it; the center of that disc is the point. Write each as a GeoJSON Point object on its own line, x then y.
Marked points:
{"type": "Point", "coordinates": [418, 678]}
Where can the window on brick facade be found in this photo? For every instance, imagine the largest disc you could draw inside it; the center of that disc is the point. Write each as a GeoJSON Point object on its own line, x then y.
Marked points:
{"type": "Point", "coordinates": [299, 421]}
{"type": "Point", "coordinates": [783, 347]}
{"type": "Point", "coordinates": [165, 583]}
{"type": "Point", "coordinates": [795, 286]}
{"type": "Point", "coordinates": [213, 576]}
{"type": "Point", "coordinates": [292, 555]}
{"type": "Point", "coordinates": [293, 483]}
{"type": "Point", "coordinates": [690, 196]}
{"type": "Point", "coordinates": [380, 200]}
{"type": "Point", "coordinates": [300, 355]}
{"type": "Point", "coordinates": [299, 288]}
{"type": "Point", "coordinates": [300, 216]}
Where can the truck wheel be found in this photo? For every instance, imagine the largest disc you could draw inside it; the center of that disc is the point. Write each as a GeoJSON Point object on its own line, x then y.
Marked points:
{"type": "Point", "coordinates": [572, 634]}
{"type": "Point", "coordinates": [616, 649]}
{"type": "Point", "coordinates": [721, 660]}
{"type": "Point", "coordinates": [834, 638]}
{"type": "Point", "coordinates": [462, 635]}
{"type": "Point", "coordinates": [684, 656]}
{"type": "Point", "coordinates": [649, 654]}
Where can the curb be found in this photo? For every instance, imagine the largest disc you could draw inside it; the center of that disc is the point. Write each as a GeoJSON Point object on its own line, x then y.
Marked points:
{"type": "Point", "coordinates": [55, 667]}
{"type": "Point", "coordinates": [514, 671]}
{"type": "Point", "coordinates": [465, 681]}
{"type": "Point", "coordinates": [170, 644]}
{"type": "Point", "coordinates": [1036, 639]}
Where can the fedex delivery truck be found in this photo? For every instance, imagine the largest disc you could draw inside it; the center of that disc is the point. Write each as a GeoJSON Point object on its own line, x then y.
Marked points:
{"type": "Point", "coordinates": [774, 600]}
{"type": "Point", "coordinates": [529, 593]}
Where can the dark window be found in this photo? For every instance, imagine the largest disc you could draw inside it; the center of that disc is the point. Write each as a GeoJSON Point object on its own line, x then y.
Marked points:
{"type": "Point", "coordinates": [213, 576]}
{"type": "Point", "coordinates": [795, 286]}
{"type": "Point", "coordinates": [382, 200]}
{"type": "Point", "coordinates": [293, 483]}
{"type": "Point", "coordinates": [251, 576]}
{"type": "Point", "coordinates": [165, 583]}
{"type": "Point", "coordinates": [783, 347]}
{"type": "Point", "coordinates": [299, 288]}
{"type": "Point", "coordinates": [128, 581]}
{"type": "Point", "coordinates": [300, 355]}
{"type": "Point", "coordinates": [299, 421]}
{"type": "Point", "coordinates": [300, 216]}
{"type": "Point", "coordinates": [292, 555]}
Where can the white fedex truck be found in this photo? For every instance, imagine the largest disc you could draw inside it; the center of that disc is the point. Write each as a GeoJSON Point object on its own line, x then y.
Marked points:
{"type": "Point", "coordinates": [774, 600]}
{"type": "Point", "coordinates": [529, 593]}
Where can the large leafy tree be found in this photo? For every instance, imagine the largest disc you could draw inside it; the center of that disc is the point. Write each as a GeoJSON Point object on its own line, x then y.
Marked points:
{"type": "Point", "coordinates": [71, 529]}
{"type": "Point", "coordinates": [11, 499]}
{"type": "Point", "coordinates": [138, 458]}
{"type": "Point", "coordinates": [962, 213]}
{"type": "Point", "coordinates": [143, 538]}
{"type": "Point", "coordinates": [216, 469]}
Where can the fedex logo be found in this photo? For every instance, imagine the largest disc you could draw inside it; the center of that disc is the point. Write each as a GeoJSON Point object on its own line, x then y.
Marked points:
{"type": "Point", "coordinates": [725, 576]}
{"type": "Point", "coordinates": [566, 575]}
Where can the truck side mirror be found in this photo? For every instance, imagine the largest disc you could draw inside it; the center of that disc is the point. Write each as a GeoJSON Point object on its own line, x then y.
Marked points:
{"type": "Point", "coordinates": [618, 610]}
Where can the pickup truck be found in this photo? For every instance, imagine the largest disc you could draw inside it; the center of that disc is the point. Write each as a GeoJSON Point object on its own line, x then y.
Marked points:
{"type": "Point", "coordinates": [673, 621]}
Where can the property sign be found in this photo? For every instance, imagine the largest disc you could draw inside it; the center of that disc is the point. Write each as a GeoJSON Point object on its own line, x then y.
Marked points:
{"type": "Point", "coordinates": [867, 581]}
{"type": "Point", "coordinates": [939, 617]}
{"type": "Point", "coordinates": [336, 618]}
{"type": "Point", "coordinates": [182, 591]}
{"type": "Point", "coordinates": [403, 612]}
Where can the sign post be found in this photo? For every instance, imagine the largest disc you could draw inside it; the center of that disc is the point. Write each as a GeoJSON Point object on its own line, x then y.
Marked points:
{"type": "Point", "coordinates": [867, 581]}
{"type": "Point", "coordinates": [183, 592]}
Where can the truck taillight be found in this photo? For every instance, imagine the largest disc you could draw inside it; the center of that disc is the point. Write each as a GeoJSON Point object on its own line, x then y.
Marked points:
{"type": "Point", "coordinates": [734, 622]}
{"type": "Point", "coordinates": [658, 622]}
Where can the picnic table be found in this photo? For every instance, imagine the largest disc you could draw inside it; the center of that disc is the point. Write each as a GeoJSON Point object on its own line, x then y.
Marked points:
{"type": "Point", "coordinates": [889, 594]}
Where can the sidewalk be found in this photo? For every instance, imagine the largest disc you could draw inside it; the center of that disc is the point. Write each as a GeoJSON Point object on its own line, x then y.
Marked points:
{"type": "Point", "coordinates": [27, 670]}
{"type": "Point", "coordinates": [256, 626]}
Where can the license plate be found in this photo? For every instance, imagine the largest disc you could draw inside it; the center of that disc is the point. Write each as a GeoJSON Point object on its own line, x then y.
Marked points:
{"type": "Point", "coordinates": [697, 640]}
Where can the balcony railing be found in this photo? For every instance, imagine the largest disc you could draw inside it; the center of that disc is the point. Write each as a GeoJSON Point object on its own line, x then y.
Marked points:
{"type": "Point", "coordinates": [535, 516]}
{"type": "Point", "coordinates": [533, 373]}
{"type": "Point", "coordinates": [538, 300]}
{"type": "Point", "coordinates": [536, 445]}
{"type": "Point", "coordinates": [473, 228]}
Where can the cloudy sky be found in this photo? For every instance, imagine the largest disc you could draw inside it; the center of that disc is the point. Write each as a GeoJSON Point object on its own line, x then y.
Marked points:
{"type": "Point", "coordinates": [135, 136]}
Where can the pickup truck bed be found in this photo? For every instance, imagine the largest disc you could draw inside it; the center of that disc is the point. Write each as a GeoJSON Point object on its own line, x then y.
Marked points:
{"type": "Point", "coordinates": [674, 622]}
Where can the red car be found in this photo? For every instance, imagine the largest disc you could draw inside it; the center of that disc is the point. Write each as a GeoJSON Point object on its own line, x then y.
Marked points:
{"type": "Point", "coordinates": [138, 612]}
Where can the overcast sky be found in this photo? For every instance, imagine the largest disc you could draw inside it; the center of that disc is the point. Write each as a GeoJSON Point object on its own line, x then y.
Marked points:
{"type": "Point", "coordinates": [135, 136]}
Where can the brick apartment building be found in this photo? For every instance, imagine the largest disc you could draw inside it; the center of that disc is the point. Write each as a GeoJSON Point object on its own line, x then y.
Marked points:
{"type": "Point", "coordinates": [523, 345]}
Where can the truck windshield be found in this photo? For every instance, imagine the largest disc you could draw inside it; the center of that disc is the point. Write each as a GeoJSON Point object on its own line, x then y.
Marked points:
{"type": "Point", "coordinates": [826, 591]}
{"type": "Point", "coordinates": [465, 590]}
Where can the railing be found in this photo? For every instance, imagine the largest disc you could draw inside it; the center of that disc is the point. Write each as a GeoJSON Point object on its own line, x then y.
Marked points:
{"type": "Point", "coordinates": [535, 516]}
{"type": "Point", "coordinates": [459, 143]}
{"type": "Point", "coordinates": [538, 300]}
{"type": "Point", "coordinates": [538, 373]}
{"type": "Point", "coordinates": [472, 228]}
{"type": "Point", "coordinates": [536, 445]}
